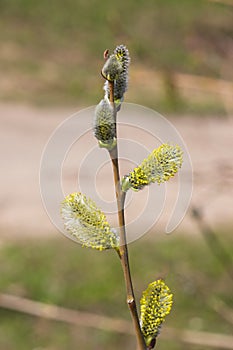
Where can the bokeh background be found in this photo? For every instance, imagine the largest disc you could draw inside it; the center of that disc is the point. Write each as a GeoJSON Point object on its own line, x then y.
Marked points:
{"type": "Point", "coordinates": [51, 54]}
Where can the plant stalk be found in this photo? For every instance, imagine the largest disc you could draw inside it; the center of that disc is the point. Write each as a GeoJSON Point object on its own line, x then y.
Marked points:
{"type": "Point", "coordinates": [123, 250]}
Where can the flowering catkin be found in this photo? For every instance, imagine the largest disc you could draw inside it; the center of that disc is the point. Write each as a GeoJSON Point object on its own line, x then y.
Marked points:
{"type": "Point", "coordinates": [86, 223]}
{"type": "Point", "coordinates": [156, 303]}
{"type": "Point", "coordinates": [162, 164]}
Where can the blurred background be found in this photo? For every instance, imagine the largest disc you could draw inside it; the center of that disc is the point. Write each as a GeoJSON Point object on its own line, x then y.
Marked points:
{"type": "Point", "coordinates": [51, 54]}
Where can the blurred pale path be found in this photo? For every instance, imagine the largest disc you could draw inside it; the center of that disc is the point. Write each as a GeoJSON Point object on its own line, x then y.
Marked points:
{"type": "Point", "coordinates": [25, 131]}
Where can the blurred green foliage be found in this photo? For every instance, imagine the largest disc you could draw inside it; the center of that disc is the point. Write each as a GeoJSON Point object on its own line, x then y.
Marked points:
{"type": "Point", "coordinates": [61, 272]}
{"type": "Point", "coordinates": [51, 51]}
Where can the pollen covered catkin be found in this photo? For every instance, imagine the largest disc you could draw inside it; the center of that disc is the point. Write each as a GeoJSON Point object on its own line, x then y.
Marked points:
{"type": "Point", "coordinates": [87, 223]}
{"type": "Point", "coordinates": [162, 164]}
{"type": "Point", "coordinates": [156, 303]}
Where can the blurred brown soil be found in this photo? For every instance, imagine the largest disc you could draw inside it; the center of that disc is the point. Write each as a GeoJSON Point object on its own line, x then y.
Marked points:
{"type": "Point", "coordinates": [25, 130]}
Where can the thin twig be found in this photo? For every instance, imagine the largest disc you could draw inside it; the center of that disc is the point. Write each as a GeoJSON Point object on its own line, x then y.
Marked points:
{"type": "Point", "coordinates": [223, 2]}
{"type": "Point", "coordinates": [213, 242]}
{"type": "Point", "coordinates": [222, 309]}
{"type": "Point", "coordinates": [105, 323]}
{"type": "Point", "coordinates": [123, 250]}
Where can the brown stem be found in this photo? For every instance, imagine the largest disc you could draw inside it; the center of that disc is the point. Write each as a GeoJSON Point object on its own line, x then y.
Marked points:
{"type": "Point", "coordinates": [123, 250]}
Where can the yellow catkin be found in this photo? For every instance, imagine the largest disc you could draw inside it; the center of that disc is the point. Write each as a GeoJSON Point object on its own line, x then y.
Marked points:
{"type": "Point", "coordinates": [156, 303]}
{"type": "Point", "coordinates": [87, 223]}
{"type": "Point", "coordinates": [162, 164]}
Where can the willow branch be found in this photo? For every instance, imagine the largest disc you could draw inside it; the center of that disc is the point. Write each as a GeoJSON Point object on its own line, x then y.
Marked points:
{"type": "Point", "coordinates": [123, 250]}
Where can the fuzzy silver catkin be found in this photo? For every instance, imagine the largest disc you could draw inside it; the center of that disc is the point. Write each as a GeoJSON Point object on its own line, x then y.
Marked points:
{"type": "Point", "coordinates": [121, 83]}
{"type": "Point", "coordinates": [121, 55]}
{"type": "Point", "coordinates": [104, 124]}
{"type": "Point", "coordinates": [112, 68]}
